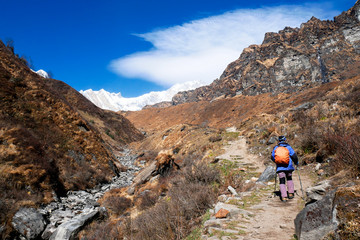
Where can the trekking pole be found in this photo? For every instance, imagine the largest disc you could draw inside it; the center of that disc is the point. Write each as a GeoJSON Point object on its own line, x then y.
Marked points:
{"type": "Point", "coordinates": [302, 191]}
{"type": "Point", "coordinates": [275, 183]}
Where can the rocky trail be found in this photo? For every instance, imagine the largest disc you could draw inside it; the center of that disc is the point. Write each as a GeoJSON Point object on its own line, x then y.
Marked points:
{"type": "Point", "coordinates": [257, 213]}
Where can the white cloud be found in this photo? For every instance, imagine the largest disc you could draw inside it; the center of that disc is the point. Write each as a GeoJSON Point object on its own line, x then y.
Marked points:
{"type": "Point", "coordinates": [200, 50]}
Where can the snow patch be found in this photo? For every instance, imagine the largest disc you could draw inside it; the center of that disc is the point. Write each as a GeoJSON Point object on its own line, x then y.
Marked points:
{"type": "Point", "coordinates": [41, 73]}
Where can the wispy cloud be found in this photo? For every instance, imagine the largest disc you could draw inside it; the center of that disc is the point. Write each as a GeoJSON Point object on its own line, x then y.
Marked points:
{"type": "Point", "coordinates": [200, 50]}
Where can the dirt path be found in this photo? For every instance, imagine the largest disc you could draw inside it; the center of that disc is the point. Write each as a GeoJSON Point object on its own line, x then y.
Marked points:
{"type": "Point", "coordinates": [263, 215]}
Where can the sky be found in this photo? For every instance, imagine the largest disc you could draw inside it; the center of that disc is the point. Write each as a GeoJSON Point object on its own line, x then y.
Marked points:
{"type": "Point", "coordinates": [134, 47]}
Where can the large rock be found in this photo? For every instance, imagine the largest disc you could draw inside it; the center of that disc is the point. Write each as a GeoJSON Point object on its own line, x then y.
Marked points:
{"type": "Point", "coordinates": [268, 174]}
{"type": "Point", "coordinates": [28, 222]}
{"type": "Point", "coordinates": [318, 191]}
{"type": "Point", "coordinates": [143, 176]}
{"type": "Point", "coordinates": [234, 210]}
{"type": "Point", "coordinates": [316, 220]}
{"type": "Point", "coordinates": [69, 229]}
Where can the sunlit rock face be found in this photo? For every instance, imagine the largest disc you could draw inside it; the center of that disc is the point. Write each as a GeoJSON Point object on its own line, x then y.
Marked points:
{"type": "Point", "coordinates": [290, 60]}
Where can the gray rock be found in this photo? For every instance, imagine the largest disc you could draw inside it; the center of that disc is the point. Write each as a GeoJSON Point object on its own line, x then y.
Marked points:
{"type": "Point", "coordinates": [268, 174]}
{"type": "Point", "coordinates": [271, 140]}
{"type": "Point", "coordinates": [213, 230]}
{"type": "Point", "coordinates": [232, 190]}
{"type": "Point", "coordinates": [317, 192]}
{"type": "Point", "coordinates": [317, 219]}
{"type": "Point", "coordinates": [222, 198]}
{"type": "Point", "coordinates": [2, 227]}
{"type": "Point", "coordinates": [233, 209]}
{"type": "Point", "coordinates": [304, 106]}
{"type": "Point", "coordinates": [49, 230]}
{"type": "Point", "coordinates": [143, 176]}
{"type": "Point", "coordinates": [69, 229]}
{"type": "Point", "coordinates": [215, 223]}
{"type": "Point", "coordinates": [28, 222]}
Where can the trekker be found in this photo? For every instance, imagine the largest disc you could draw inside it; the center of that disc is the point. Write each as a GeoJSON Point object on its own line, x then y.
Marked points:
{"type": "Point", "coordinates": [284, 157]}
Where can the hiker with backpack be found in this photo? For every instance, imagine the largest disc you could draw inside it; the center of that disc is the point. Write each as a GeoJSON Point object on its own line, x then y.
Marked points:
{"type": "Point", "coordinates": [284, 157]}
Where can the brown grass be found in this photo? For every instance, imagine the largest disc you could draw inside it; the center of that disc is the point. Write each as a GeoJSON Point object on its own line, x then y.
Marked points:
{"type": "Point", "coordinates": [173, 217]}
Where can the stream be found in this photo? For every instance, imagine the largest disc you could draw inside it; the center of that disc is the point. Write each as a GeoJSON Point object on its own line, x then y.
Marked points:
{"type": "Point", "coordinates": [63, 218]}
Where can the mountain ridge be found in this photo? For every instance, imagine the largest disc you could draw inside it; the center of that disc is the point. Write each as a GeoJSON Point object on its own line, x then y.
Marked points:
{"type": "Point", "coordinates": [290, 60]}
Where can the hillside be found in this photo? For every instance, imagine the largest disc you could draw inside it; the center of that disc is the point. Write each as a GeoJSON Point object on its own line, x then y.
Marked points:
{"type": "Point", "coordinates": [52, 139]}
{"type": "Point", "coordinates": [223, 113]}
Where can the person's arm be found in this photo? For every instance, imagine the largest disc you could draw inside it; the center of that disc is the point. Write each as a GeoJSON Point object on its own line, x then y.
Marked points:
{"type": "Point", "coordinates": [273, 154]}
{"type": "Point", "coordinates": [293, 156]}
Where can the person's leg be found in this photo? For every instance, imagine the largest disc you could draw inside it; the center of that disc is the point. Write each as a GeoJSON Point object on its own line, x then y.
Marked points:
{"type": "Point", "coordinates": [290, 184]}
{"type": "Point", "coordinates": [282, 186]}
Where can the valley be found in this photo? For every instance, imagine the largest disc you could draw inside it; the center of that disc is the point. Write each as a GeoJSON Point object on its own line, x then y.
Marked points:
{"type": "Point", "coordinates": [71, 170]}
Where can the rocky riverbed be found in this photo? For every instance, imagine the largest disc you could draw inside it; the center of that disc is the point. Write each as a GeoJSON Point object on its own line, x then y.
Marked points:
{"type": "Point", "coordinates": [63, 218]}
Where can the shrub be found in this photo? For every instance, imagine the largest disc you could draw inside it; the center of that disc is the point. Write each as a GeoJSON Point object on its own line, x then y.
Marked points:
{"type": "Point", "coordinates": [103, 230]}
{"type": "Point", "coordinates": [216, 138]}
{"type": "Point", "coordinates": [201, 173]}
{"type": "Point", "coordinates": [347, 150]}
{"type": "Point", "coordinates": [148, 199]}
{"type": "Point", "coordinates": [174, 216]}
{"type": "Point", "coordinates": [117, 204]}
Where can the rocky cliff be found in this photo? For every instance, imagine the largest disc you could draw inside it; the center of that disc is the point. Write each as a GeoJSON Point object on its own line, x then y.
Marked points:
{"type": "Point", "coordinates": [290, 60]}
{"type": "Point", "coordinates": [52, 139]}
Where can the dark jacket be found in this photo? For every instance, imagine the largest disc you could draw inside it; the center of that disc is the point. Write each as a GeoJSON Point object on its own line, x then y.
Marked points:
{"type": "Point", "coordinates": [293, 158]}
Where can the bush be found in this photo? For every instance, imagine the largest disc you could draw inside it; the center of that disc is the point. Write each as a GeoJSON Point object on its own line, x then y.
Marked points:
{"type": "Point", "coordinates": [103, 230]}
{"type": "Point", "coordinates": [201, 173]}
{"type": "Point", "coordinates": [147, 200]}
{"type": "Point", "coordinates": [174, 216]}
{"type": "Point", "coordinates": [117, 204]}
{"type": "Point", "coordinates": [347, 150]}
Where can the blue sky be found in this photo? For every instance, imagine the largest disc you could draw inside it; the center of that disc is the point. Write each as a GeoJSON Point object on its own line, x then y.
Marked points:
{"type": "Point", "coordinates": [135, 47]}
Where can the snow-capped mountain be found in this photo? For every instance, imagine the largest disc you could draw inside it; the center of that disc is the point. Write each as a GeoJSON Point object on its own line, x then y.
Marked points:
{"type": "Point", "coordinates": [42, 73]}
{"type": "Point", "coordinates": [115, 102]}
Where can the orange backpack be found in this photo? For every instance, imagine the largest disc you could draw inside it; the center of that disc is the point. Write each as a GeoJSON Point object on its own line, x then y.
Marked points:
{"type": "Point", "coordinates": [282, 156]}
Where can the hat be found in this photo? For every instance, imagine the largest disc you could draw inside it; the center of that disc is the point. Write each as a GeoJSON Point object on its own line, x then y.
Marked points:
{"type": "Point", "coordinates": [282, 138]}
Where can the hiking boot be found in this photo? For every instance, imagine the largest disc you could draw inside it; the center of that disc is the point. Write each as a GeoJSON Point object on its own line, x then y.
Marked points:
{"type": "Point", "coordinates": [291, 195]}
{"type": "Point", "coordinates": [285, 199]}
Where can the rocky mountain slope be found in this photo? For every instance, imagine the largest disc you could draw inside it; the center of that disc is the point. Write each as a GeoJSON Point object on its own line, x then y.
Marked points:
{"type": "Point", "coordinates": [224, 113]}
{"type": "Point", "coordinates": [52, 139]}
{"type": "Point", "coordinates": [291, 60]}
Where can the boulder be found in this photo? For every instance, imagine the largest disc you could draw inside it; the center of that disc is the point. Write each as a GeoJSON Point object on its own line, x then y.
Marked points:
{"type": "Point", "coordinates": [268, 174]}
{"type": "Point", "coordinates": [69, 229]}
{"type": "Point", "coordinates": [316, 220]}
{"type": "Point", "coordinates": [28, 222]}
{"type": "Point", "coordinates": [317, 192]}
{"type": "Point", "coordinates": [143, 176]}
{"type": "Point", "coordinates": [303, 106]}
{"type": "Point", "coordinates": [335, 216]}
{"type": "Point", "coordinates": [233, 209]}
{"type": "Point", "coordinates": [271, 140]}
